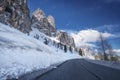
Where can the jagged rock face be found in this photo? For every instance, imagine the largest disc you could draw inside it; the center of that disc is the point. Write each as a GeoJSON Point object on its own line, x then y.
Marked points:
{"type": "Point", "coordinates": [40, 22]}
{"type": "Point", "coordinates": [51, 20]}
{"type": "Point", "coordinates": [65, 38]}
{"type": "Point", "coordinates": [15, 13]}
{"type": "Point", "coordinates": [39, 14]}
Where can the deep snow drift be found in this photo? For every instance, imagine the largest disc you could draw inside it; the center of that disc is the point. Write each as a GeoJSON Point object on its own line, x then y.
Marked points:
{"type": "Point", "coordinates": [20, 53]}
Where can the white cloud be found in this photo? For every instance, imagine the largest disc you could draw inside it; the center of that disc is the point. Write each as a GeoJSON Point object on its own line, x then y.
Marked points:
{"type": "Point", "coordinates": [83, 44]}
{"type": "Point", "coordinates": [117, 50]}
{"type": "Point", "coordinates": [107, 35]}
{"type": "Point", "coordinates": [85, 37]}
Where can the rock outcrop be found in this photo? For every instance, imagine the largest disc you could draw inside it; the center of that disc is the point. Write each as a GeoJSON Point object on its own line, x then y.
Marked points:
{"type": "Point", "coordinates": [64, 38]}
{"type": "Point", "coordinates": [16, 14]}
{"type": "Point", "coordinates": [51, 20]}
{"type": "Point", "coordinates": [44, 25]}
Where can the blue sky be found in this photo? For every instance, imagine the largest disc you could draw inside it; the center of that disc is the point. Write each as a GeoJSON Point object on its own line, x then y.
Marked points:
{"type": "Point", "coordinates": [76, 15]}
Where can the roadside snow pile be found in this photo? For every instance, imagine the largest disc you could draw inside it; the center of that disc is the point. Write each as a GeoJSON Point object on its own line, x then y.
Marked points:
{"type": "Point", "coordinates": [111, 64]}
{"type": "Point", "coordinates": [20, 53]}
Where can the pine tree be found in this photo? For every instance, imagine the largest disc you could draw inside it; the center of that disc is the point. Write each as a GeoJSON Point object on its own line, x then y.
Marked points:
{"type": "Point", "coordinates": [65, 48]}
{"type": "Point", "coordinates": [70, 49]}
{"type": "Point", "coordinates": [46, 42]}
{"type": "Point", "coordinates": [61, 46]}
{"type": "Point", "coordinates": [80, 52]}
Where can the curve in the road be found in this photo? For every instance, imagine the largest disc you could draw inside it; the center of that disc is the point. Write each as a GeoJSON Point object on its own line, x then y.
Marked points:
{"type": "Point", "coordinates": [80, 69]}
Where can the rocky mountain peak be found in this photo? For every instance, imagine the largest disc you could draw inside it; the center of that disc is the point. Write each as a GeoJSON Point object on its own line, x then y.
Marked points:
{"type": "Point", "coordinates": [51, 20]}
{"type": "Point", "coordinates": [44, 25]}
{"type": "Point", "coordinates": [39, 14]}
{"type": "Point", "coordinates": [63, 37]}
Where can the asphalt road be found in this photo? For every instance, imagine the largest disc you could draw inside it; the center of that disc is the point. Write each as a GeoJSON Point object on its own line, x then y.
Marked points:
{"type": "Point", "coordinates": [81, 70]}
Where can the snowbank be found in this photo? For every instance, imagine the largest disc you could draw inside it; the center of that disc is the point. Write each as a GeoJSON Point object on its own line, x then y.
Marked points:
{"type": "Point", "coordinates": [20, 53]}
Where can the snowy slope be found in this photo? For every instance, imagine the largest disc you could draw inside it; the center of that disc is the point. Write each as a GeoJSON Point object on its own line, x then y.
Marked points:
{"type": "Point", "coordinates": [20, 53]}
{"type": "Point", "coordinates": [37, 34]}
